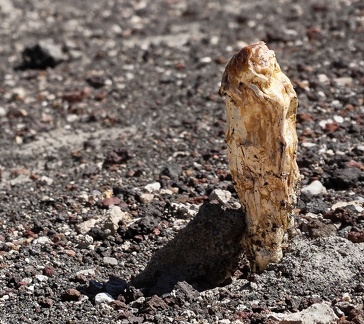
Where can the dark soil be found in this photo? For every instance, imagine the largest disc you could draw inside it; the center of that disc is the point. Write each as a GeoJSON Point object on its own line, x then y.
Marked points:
{"type": "Point", "coordinates": [112, 137]}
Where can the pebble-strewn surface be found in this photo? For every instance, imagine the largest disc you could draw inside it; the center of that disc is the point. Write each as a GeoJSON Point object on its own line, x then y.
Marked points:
{"type": "Point", "coordinates": [112, 137]}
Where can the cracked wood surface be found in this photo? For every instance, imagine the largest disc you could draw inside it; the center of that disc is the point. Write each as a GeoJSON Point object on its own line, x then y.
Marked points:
{"type": "Point", "coordinates": [261, 107]}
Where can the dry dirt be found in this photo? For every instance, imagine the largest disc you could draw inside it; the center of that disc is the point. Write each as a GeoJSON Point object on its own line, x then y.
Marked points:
{"type": "Point", "coordinates": [111, 142]}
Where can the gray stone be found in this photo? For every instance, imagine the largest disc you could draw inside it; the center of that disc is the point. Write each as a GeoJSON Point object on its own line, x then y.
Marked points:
{"type": "Point", "coordinates": [356, 204]}
{"type": "Point", "coordinates": [2, 112]}
{"type": "Point", "coordinates": [151, 187]}
{"type": "Point", "coordinates": [344, 81]}
{"type": "Point", "coordinates": [338, 119]}
{"type": "Point", "coordinates": [41, 278]}
{"type": "Point", "coordinates": [7, 7]}
{"type": "Point", "coordinates": [42, 240]}
{"type": "Point", "coordinates": [183, 210]}
{"type": "Point", "coordinates": [27, 280]}
{"type": "Point", "coordinates": [103, 298]}
{"type": "Point", "coordinates": [205, 60]}
{"type": "Point", "coordinates": [86, 272]}
{"type": "Point", "coordinates": [146, 198]}
{"type": "Point", "coordinates": [20, 179]}
{"type": "Point", "coordinates": [314, 188]}
{"type": "Point", "coordinates": [44, 180]}
{"type": "Point", "coordinates": [71, 118]}
{"type": "Point", "coordinates": [253, 286]}
{"type": "Point", "coordinates": [84, 241]}
{"type": "Point", "coordinates": [109, 222]}
{"type": "Point", "coordinates": [343, 179]}
{"type": "Point", "coordinates": [185, 289]}
{"type": "Point", "coordinates": [315, 314]}
{"type": "Point", "coordinates": [308, 144]}
{"type": "Point", "coordinates": [86, 226]}
{"type": "Point", "coordinates": [223, 196]}
{"type": "Point", "coordinates": [110, 261]}
{"type": "Point", "coordinates": [224, 321]}
{"type": "Point", "coordinates": [323, 78]}
{"type": "Point", "coordinates": [114, 217]}
{"type": "Point", "coordinates": [5, 297]}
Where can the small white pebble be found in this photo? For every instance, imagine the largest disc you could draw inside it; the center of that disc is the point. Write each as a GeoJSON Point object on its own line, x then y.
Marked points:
{"type": "Point", "coordinates": [336, 104]}
{"type": "Point", "coordinates": [214, 40]}
{"type": "Point", "coordinates": [166, 192]}
{"type": "Point", "coordinates": [42, 240]}
{"type": "Point", "coordinates": [223, 196]}
{"type": "Point", "coordinates": [72, 118]}
{"type": "Point", "coordinates": [314, 188]}
{"type": "Point", "coordinates": [151, 187]}
{"type": "Point", "coordinates": [146, 198]}
{"type": "Point", "coordinates": [103, 298]}
{"type": "Point", "coordinates": [321, 94]}
{"type": "Point", "coordinates": [308, 144]}
{"type": "Point", "coordinates": [323, 78]}
{"type": "Point", "coordinates": [41, 278]}
{"type": "Point", "coordinates": [2, 112]}
{"type": "Point", "coordinates": [224, 321]}
{"type": "Point", "coordinates": [253, 285]}
{"type": "Point", "coordinates": [346, 297]}
{"type": "Point", "coordinates": [31, 288]}
{"type": "Point", "coordinates": [205, 59]}
{"type": "Point", "coordinates": [338, 119]}
{"type": "Point", "coordinates": [323, 123]}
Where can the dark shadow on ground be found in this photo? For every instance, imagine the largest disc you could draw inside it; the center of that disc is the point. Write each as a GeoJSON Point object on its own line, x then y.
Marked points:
{"type": "Point", "coordinates": [204, 254]}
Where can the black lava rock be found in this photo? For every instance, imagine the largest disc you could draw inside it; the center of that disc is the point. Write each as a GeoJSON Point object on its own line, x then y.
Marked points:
{"type": "Point", "coordinates": [345, 178]}
{"type": "Point", "coordinates": [41, 56]}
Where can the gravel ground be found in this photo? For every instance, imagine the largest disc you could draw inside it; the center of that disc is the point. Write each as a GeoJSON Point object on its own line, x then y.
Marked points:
{"type": "Point", "coordinates": [112, 137]}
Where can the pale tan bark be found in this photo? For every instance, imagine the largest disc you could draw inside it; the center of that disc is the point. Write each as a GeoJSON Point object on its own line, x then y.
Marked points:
{"type": "Point", "coordinates": [261, 107]}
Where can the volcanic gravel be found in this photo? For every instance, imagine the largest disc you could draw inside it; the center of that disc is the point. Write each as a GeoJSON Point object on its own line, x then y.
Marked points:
{"type": "Point", "coordinates": [112, 138]}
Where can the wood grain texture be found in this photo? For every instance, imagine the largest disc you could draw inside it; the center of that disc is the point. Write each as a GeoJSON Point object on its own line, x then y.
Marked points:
{"type": "Point", "coordinates": [261, 107]}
